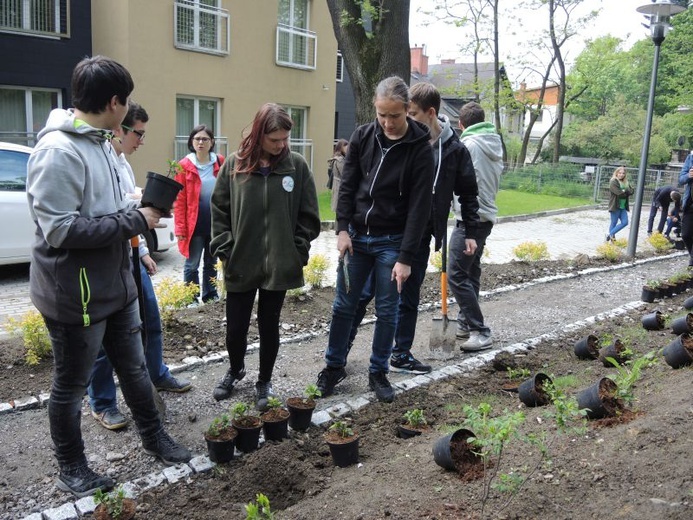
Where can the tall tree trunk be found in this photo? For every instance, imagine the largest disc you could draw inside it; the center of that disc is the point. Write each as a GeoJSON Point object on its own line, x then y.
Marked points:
{"type": "Point", "coordinates": [497, 79]}
{"type": "Point", "coordinates": [561, 82]}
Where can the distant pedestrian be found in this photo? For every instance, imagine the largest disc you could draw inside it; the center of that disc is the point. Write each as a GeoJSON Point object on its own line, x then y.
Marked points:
{"type": "Point", "coordinates": [619, 191]}
{"type": "Point", "coordinates": [661, 200]}
{"type": "Point", "coordinates": [264, 217]}
{"type": "Point", "coordinates": [193, 221]}
{"type": "Point", "coordinates": [686, 180]}
{"type": "Point", "coordinates": [335, 166]}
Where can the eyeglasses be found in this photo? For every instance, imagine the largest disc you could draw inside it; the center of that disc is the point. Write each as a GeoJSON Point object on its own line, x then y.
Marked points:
{"type": "Point", "coordinates": [201, 139]}
{"type": "Point", "coordinates": [138, 133]}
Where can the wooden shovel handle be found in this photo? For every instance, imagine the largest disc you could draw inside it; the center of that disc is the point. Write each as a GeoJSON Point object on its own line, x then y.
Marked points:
{"type": "Point", "coordinates": [444, 292]}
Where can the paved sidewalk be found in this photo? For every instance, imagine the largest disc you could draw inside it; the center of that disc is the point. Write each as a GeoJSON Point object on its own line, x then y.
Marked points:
{"type": "Point", "coordinates": [565, 233]}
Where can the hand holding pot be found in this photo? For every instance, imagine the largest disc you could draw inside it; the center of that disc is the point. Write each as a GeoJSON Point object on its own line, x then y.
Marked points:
{"type": "Point", "coordinates": [152, 215]}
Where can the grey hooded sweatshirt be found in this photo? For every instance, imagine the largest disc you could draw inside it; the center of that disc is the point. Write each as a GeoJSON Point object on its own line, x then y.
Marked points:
{"type": "Point", "coordinates": [80, 266]}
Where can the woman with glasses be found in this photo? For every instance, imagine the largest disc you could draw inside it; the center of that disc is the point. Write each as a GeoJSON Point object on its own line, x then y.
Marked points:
{"type": "Point", "coordinates": [193, 218]}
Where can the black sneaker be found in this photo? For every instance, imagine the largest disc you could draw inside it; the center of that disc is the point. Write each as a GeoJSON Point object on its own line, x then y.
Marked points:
{"type": "Point", "coordinates": [408, 363]}
{"type": "Point", "coordinates": [81, 481]}
{"type": "Point", "coordinates": [377, 381]}
{"type": "Point", "coordinates": [263, 391]}
{"type": "Point", "coordinates": [161, 445]}
{"type": "Point", "coordinates": [225, 386]}
{"type": "Point", "coordinates": [328, 378]}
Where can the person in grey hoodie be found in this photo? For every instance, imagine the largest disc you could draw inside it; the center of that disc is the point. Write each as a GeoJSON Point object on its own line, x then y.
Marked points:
{"type": "Point", "coordinates": [80, 276]}
{"type": "Point", "coordinates": [464, 271]}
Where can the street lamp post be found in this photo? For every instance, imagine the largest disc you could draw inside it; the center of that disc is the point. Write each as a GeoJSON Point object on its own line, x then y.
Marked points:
{"type": "Point", "coordinates": [659, 12]}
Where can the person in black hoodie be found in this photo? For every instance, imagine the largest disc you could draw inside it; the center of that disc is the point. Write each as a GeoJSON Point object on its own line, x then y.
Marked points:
{"type": "Point", "coordinates": [382, 211]}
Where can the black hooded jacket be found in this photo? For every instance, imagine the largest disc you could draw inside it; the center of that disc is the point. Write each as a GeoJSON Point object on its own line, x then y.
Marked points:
{"type": "Point", "coordinates": [386, 192]}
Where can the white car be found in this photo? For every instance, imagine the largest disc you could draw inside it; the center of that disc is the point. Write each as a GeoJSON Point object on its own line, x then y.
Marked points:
{"type": "Point", "coordinates": [18, 235]}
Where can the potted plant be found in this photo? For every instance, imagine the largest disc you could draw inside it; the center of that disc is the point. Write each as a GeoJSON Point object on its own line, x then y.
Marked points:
{"type": "Point", "coordinates": [301, 408]}
{"type": "Point", "coordinates": [616, 350]}
{"type": "Point", "coordinates": [160, 191]}
{"type": "Point", "coordinates": [414, 424]}
{"type": "Point", "coordinates": [653, 321]}
{"type": "Point", "coordinates": [532, 391]}
{"type": "Point", "coordinates": [113, 505]}
{"type": "Point", "coordinates": [248, 426]}
{"type": "Point", "coordinates": [587, 347]}
{"type": "Point", "coordinates": [650, 291]}
{"type": "Point", "coordinates": [220, 438]}
{"type": "Point", "coordinates": [275, 421]}
{"type": "Point", "coordinates": [343, 443]}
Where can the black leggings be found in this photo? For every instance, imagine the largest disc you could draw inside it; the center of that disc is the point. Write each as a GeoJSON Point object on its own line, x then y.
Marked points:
{"type": "Point", "coordinates": [687, 231]}
{"type": "Point", "coordinates": [239, 307]}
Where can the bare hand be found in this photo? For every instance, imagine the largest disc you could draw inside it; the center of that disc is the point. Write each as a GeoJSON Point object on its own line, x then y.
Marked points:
{"type": "Point", "coordinates": [400, 272]}
{"type": "Point", "coordinates": [149, 264]}
{"type": "Point", "coordinates": [469, 246]}
{"type": "Point", "coordinates": [152, 215]}
{"type": "Point", "coordinates": [344, 244]}
{"type": "Point", "coordinates": [690, 173]}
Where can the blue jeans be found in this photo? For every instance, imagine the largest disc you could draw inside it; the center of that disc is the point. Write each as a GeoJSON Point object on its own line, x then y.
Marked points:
{"type": "Point", "coordinates": [199, 248]}
{"type": "Point", "coordinates": [616, 216]}
{"type": "Point", "coordinates": [377, 254]}
{"type": "Point", "coordinates": [75, 348]}
{"type": "Point", "coordinates": [465, 276]}
{"type": "Point", "coordinates": [102, 390]}
{"type": "Point", "coordinates": [408, 306]}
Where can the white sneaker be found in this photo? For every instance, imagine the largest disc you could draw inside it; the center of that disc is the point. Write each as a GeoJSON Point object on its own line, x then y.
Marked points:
{"type": "Point", "coordinates": [477, 341]}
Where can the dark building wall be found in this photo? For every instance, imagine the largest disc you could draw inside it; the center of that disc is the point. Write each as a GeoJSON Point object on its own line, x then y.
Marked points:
{"type": "Point", "coordinates": [345, 108]}
{"type": "Point", "coordinates": [31, 61]}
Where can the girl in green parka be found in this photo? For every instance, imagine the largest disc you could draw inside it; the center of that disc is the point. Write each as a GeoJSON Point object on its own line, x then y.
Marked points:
{"type": "Point", "coordinates": [264, 216]}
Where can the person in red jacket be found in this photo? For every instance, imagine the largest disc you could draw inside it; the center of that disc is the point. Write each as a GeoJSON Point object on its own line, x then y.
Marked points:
{"type": "Point", "coordinates": [192, 210]}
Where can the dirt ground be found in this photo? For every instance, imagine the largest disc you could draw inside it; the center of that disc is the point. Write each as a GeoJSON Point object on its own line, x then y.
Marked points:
{"type": "Point", "coordinates": [632, 469]}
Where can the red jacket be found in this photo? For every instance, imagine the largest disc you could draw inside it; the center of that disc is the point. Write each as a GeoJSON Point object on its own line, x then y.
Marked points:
{"type": "Point", "coordinates": [188, 201]}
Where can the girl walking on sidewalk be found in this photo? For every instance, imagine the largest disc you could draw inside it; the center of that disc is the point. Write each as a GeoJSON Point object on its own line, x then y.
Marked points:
{"type": "Point", "coordinates": [619, 191]}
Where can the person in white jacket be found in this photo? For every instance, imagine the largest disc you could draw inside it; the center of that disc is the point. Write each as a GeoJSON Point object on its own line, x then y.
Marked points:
{"type": "Point", "coordinates": [464, 271]}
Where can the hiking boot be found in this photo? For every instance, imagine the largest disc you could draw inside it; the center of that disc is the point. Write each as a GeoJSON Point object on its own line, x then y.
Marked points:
{"type": "Point", "coordinates": [81, 481]}
{"type": "Point", "coordinates": [328, 378]}
{"type": "Point", "coordinates": [171, 384]}
{"type": "Point", "coordinates": [225, 386]}
{"type": "Point", "coordinates": [110, 419]}
{"type": "Point", "coordinates": [408, 363]}
{"type": "Point", "coordinates": [377, 381]}
{"type": "Point", "coordinates": [263, 391]}
{"type": "Point", "coordinates": [161, 445]}
{"type": "Point", "coordinates": [477, 341]}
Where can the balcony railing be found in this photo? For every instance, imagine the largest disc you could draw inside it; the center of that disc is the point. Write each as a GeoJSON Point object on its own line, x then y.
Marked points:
{"type": "Point", "coordinates": [201, 28]}
{"type": "Point", "coordinates": [296, 47]}
{"type": "Point", "coordinates": [36, 17]}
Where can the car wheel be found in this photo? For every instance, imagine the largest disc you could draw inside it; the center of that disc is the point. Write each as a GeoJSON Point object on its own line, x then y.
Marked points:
{"type": "Point", "coordinates": [152, 242]}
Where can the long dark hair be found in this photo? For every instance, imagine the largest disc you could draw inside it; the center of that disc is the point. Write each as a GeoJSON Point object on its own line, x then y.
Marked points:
{"type": "Point", "coordinates": [270, 118]}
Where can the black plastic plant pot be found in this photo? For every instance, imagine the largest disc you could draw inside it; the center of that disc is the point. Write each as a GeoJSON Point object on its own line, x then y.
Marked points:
{"type": "Point", "coordinates": [653, 321]}
{"type": "Point", "coordinates": [666, 290]}
{"type": "Point", "coordinates": [679, 353]}
{"type": "Point", "coordinates": [248, 438]}
{"type": "Point", "coordinates": [649, 294]}
{"type": "Point", "coordinates": [454, 451]}
{"type": "Point", "coordinates": [586, 347]}
{"type": "Point", "coordinates": [160, 192]}
{"type": "Point", "coordinates": [345, 452]}
{"type": "Point", "coordinates": [221, 450]}
{"type": "Point", "coordinates": [688, 303]}
{"type": "Point", "coordinates": [276, 429]}
{"type": "Point", "coordinates": [682, 325]}
{"type": "Point", "coordinates": [600, 399]}
{"type": "Point", "coordinates": [614, 350]}
{"type": "Point", "coordinates": [406, 432]}
{"type": "Point", "coordinates": [300, 413]}
{"type": "Point", "coordinates": [531, 391]}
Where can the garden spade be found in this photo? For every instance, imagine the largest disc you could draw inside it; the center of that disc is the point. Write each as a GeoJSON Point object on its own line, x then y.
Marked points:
{"type": "Point", "coordinates": [135, 242]}
{"type": "Point", "coordinates": [442, 338]}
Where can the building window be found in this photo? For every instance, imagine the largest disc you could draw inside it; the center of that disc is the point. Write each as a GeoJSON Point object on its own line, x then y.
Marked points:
{"type": "Point", "coordinates": [201, 26]}
{"type": "Point", "coordinates": [298, 139]}
{"type": "Point", "coordinates": [340, 67]}
{"type": "Point", "coordinates": [24, 112]}
{"type": "Point", "coordinates": [296, 45]}
{"type": "Point", "coordinates": [36, 17]}
{"type": "Point", "coordinates": [193, 111]}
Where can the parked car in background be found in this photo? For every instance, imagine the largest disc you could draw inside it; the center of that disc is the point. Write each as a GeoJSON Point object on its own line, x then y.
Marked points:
{"type": "Point", "coordinates": [19, 228]}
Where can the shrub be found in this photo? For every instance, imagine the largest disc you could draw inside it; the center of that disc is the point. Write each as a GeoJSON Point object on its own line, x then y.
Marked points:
{"type": "Point", "coordinates": [314, 271]}
{"type": "Point", "coordinates": [174, 295]}
{"type": "Point", "coordinates": [32, 329]}
{"type": "Point", "coordinates": [260, 509]}
{"type": "Point", "coordinates": [415, 417]}
{"type": "Point", "coordinates": [112, 502]}
{"type": "Point", "coordinates": [610, 251]}
{"type": "Point", "coordinates": [342, 428]}
{"type": "Point", "coordinates": [531, 251]}
{"type": "Point", "coordinates": [659, 242]}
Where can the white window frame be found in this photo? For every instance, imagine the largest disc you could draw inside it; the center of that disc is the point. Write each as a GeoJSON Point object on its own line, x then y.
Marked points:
{"type": "Point", "coordinates": [61, 17]}
{"type": "Point", "coordinates": [301, 144]}
{"type": "Point", "coordinates": [223, 27]}
{"type": "Point", "coordinates": [340, 67]}
{"type": "Point", "coordinates": [296, 35]}
{"type": "Point", "coordinates": [180, 144]}
{"type": "Point", "coordinates": [28, 136]}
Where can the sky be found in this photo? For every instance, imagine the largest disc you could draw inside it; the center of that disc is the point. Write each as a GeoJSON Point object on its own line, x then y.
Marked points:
{"type": "Point", "coordinates": [617, 17]}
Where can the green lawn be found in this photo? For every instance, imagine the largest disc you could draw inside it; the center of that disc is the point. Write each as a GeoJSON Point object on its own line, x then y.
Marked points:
{"type": "Point", "coordinates": [509, 202]}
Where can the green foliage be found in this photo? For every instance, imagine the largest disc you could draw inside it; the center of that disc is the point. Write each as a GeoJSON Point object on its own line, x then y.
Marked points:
{"type": "Point", "coordinates": [415, 417]}
{"type": "Point", "coordinates": [240, 410]}
{"type": "Point", "coordinates": [312, 392]}
{"type": "Point", "coordinates": [218, 425]}
{"type": "Point", "coordinates": [515, 202]}
{"type": "Point", "coordinates": [653, 284]}
{"type": "Point", "coordinates": [174, 168]}
{"type": "Point", "coordinates": [314, 271]}
{"type": "Point", "coordinates": [566, 411]}
{"type": "Point", "coordinates": [32, 329]}
{"type": "Point", "coordinates": [629, 373]}
{"type": "Point", "coordinates": [491, 433]}
{"type": "Point", "coordinates": [659, 242]}
{"type": "Point", "coordinates": [112, 502]}
{"type": "Point", "coordinates": [273, 403]}
{"type": "Point", "coordinates": [342, 428]}
{"type": "Point", "coordinates": [610, 250]}
{"type": "Point", "coordinates": [518, 373]}
{"type": "Point", "coordinates": [260, 509]}
{"type": "Point", "coordinates": [436, 260]}
{"type": "Point", "coordinates": [174, 295]}
{"type": "Point", "coordinates": [531, 251]}
{"type": "Point", "coordinates": [560, 180]}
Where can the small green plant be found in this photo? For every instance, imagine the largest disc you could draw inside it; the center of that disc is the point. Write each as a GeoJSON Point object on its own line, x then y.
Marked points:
{"type": "Point", "coordinates": [436, 260]}
{"type": "Point", "coordinates": [173, 169]}
{"type": "Point", "coordinates": [273, 403]}
{"type": "Point", "coordinates": [566, 411]}
{"type": "Point", "coordinates": [260, 509]}
{"type": "Point", "coordinates": [112, 502]}
{"type": "Point", "coordinates": [218, 425]}
{"type": "Point", "coordinates": [609, 250]}
{"type": "Point", "coordinates": [620, 242]}
{"type": "Point", "coordinates": [174, 295]}
{"type": "Point", "coordinates": [518, 373]}
{"type": "Point", "coordinates": [312, 392]}
{"type": "Point", "coordinates": [342, 428]}
{"type": "Point", "coordinates": [659, 242]}
{"type": "Point", "coordinates": [415, 418]}
{"type": "Point", "coordinates": [629, 373]}
{"type": "Point", "coordinates": [531, 251]}
{"type": "Point", "coordinates": [240, 410]}
{"type": "Point", "coordinates": [314, 271]}
{"type": "Point", "coordinates": [32, 329]}
{"type": "Point", "coordinates": [653, 284]}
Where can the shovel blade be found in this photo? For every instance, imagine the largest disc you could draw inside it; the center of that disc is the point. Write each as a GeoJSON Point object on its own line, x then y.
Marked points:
{"type": "Point", "coordinates": [442, 338]}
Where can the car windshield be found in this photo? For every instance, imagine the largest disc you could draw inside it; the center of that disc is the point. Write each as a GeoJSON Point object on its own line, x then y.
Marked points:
{"type": "Point", "coordinates": [13, 170]}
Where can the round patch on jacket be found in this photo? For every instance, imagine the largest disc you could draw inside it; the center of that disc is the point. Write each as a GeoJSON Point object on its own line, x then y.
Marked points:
{"type": "Point", "coordinates": [288, 184]}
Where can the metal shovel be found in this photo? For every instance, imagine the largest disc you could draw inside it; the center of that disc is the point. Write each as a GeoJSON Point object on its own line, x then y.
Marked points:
{"type": "Point", "coordinates": [442, 338]}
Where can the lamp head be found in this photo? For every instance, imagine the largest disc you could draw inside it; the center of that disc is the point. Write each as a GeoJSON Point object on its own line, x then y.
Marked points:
{"type": "Point", "coordinates": [659, 13]}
